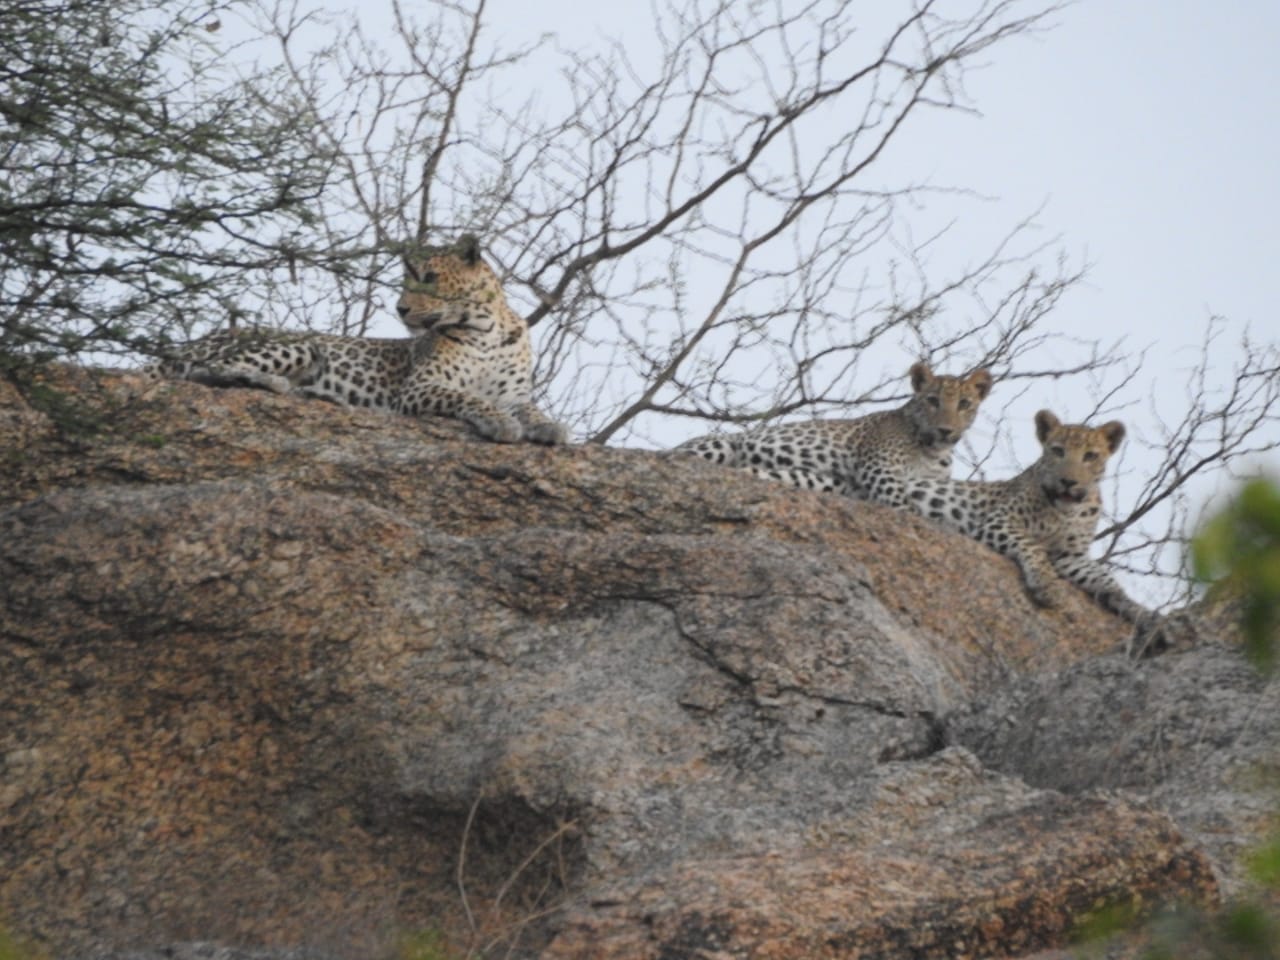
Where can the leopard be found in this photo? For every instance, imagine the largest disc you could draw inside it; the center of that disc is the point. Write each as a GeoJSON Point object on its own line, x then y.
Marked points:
{"type": "Point", "coordinates": [867, 458]}
{"type": "Point", "coordinates": [1044, 518]}
{"type": "Point", "coordinates": [468, 355]}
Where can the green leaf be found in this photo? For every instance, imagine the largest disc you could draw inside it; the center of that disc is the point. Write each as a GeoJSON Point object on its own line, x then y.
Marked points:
{"type": "Point", "coordinates": [1264, 864]}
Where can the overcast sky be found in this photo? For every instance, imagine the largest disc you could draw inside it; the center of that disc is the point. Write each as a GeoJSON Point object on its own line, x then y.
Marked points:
{"type": "Point", "coordinates": [1148, 130]}
{"type": "Point", "coordinates": [1152, 129]}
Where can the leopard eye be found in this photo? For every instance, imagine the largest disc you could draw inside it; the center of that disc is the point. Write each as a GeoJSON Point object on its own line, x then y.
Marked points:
{"type": "Point", "coordinates": [935, 402]}
{"type": "Point", "coordinates": [1090, 455]}
{"type": "Point", "coordinates": [963, 404]}
{"type": "Point", "coordinates": [1058, 451]}
{"type": "Point", "coordinates": [428, 277]}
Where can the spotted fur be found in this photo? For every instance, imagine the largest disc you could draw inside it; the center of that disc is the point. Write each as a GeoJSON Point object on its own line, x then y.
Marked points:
{"type": "Point", "coordinates": [470, 357]}
{"type": "Point", "coordinates": [871, 457]}
{"type": "Point", "coordinates": [1044, 519]}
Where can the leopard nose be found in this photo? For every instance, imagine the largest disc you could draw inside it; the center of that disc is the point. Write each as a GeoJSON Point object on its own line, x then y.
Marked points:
{"type": "Point", "coordinates": [1066, 483]}
{"type": "Point", "coordinates": [402, 309]}
{"type": "Point", "coordinates": [944, 433]}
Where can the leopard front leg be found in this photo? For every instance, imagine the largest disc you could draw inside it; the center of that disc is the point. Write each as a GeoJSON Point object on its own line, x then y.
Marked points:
{"type": "Point", "coordinates": [1043, 584]}
{"type": "Point", "coordinates": [538, 427]}
{"type": "Point", "coordinates": [1153, 632]}
{"type": "Point", "coordinates": [1095, 579]}
{"type": "Point", "coordinates": [486, 418]}
{"type": "Point", "coordinates": [1160, 633]}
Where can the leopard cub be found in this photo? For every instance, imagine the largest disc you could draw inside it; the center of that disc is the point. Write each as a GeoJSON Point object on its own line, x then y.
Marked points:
{"type": "Point", "coordinates": [871, 457]}
{"type": "Point", "coordinates": [1044, 518]}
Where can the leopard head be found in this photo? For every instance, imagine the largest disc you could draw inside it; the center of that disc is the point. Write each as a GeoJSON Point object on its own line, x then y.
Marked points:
{"type": "Point", "coordinates": [449, 287]}
{"type": "Point", "coordinates": [944, 407]}
{"type": "Point", "coordinates": [1073, 456]}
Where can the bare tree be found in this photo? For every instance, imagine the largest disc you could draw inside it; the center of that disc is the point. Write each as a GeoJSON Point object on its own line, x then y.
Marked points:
{"type": "Point", "coordinates": [142, 186]}
{"type": "Point", "coordinates": [698, 236]}
{"type": "Point", "coordinates": [1195, 454]}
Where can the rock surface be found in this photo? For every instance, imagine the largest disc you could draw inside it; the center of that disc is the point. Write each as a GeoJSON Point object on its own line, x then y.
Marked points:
{"type": "Point", "coordinates": [279, 675]}
{"type": "Point", "coordinates": [1197, 731]}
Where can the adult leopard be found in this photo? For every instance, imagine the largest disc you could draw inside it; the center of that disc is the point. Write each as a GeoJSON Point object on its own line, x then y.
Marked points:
{"type": "Point", "coordinates": [470, 358]}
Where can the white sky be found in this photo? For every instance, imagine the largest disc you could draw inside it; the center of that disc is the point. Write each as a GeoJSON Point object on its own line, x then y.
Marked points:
{"type": "Point", "coordinates": [1148, 130]}
{"type": "Point", "coordinates": [1153, 131]}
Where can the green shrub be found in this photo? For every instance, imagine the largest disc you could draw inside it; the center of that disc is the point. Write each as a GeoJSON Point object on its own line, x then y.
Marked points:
{"type": "Point", "coordinates": [1238, 552]}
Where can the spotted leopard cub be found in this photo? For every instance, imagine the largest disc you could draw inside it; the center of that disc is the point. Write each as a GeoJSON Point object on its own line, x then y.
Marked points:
{"type": "Point", "coordinates": [470, 357]}
{"type": "Point", "coordinates": [1045, 517]}
{"type": "Point", "coordinates": [871, 457]}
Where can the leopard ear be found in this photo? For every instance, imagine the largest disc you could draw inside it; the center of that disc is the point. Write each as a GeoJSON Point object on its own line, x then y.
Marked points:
{"type": "Point", "coordinates": [469, 248]}
{"type": "Point", "coordinates": [981, 380]}
{"type": "Point", "coordinates": [1113, 432]}
{"type": "Point", "coordinates": [920, 375]}
{"type": "Point", "coordinates": [1045, 422]}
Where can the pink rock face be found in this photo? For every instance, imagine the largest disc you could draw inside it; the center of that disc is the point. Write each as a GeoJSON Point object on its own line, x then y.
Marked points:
{"type": "Point", "coordinates": [278, 673]}
{"type": "Point", "coordinates": [994, 869]}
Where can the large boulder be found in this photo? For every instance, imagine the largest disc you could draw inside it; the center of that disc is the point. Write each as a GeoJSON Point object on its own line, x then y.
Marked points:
{"type": "Point", "coordinates": [275, 674]}
{"type": "Point", "coordinates": [1195, 731]}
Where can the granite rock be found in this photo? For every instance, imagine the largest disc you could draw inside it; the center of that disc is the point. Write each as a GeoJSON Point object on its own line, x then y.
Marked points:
{"type": "Point", "coordinates": [278, 676]}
